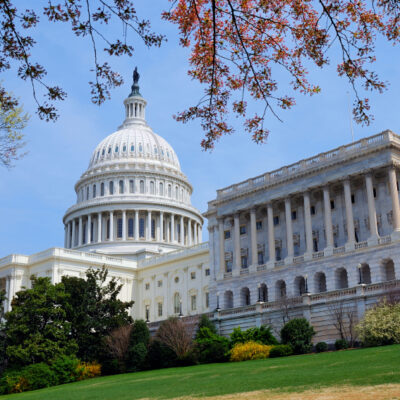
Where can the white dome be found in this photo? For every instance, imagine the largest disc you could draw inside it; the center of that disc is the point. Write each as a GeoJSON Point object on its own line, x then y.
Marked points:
{"type": "Point", "coordinates": [134, 143]}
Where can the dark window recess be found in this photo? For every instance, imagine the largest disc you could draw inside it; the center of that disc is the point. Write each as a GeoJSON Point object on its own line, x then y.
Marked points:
{"type": "Point", "coordinates": [356, 235]}
{"type": "Point", "coordinates": [353, 199]}
{"type": "Point", "coordinates": [312, 210]}
{"type": "Point", "coordinates": [242, 230]}
{"type": "Point", "coordinates": [259, 225]}
{"type": "Point", "coordinates": [276, 220]}
{"type": "Point", "coordinates": [207, 271]}
{"type": "Point", "coordinates": [294, 215]}
{"type": "Point", "coordinates": [332, 204]}
{"type": "Point", "coordinates": [315, 244]}
{"type": "Point", "coordinates": [374, 190]}
{"type": "Point", "coordinates": [227, 234]}
{"type": "Point", "coordinates": [278, 253]}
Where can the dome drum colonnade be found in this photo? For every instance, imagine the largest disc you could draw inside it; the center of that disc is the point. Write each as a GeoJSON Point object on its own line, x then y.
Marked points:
{"type": "Point", "coordinates": [133, 192]}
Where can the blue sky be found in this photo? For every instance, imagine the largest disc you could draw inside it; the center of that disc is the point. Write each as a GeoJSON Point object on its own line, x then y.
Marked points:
{"type": "Point", "coordinates": [36, 193]}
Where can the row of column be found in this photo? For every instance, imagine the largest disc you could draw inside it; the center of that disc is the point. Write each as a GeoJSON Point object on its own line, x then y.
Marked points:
{"type": "Point", "coordinates": [373, 227]}
{"type": "Point", "coordinates": [178, 229]}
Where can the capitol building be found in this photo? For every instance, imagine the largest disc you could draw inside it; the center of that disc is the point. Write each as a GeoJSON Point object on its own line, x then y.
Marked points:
{"type": "Point", "coordinates": [301, 241]}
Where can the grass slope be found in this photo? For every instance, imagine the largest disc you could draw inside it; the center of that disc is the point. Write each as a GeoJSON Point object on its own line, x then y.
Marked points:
{"type": "Point", "coordinates": [362, 367]}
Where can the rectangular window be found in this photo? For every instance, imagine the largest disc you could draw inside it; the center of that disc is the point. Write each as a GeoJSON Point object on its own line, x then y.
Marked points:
{"type": "Point", "coordinates": [227, 235]}
{"type": "Point", "coordinates": [160, 310]}
{"type": "Point", "coordinates": [294, 215]}
{"type": "Point", "coordinates": [207, 299]}
{"type": "Point", "coordinates": [131, 186]}
{"type": "Point", "coordinates": [87, 193]}
{"type": "Point", "coordinates": [141, 227]}
{"type": "Point", "coordinates": [228, 266]}
{"type": "Point", "coordinates": [260, 256]}
{"type": "Point", "coordinates": [276, 220]}
{"type": "Point", "coordinates": [242, 229]}
{"type": "Point", "coordinates": [193, 301]}
{"type": "Point", "coordinates": [332, 204]}
{"type": "Point", "coordinates": [130, 227]}
{"type": "Point", "coordinates": [121, 187]}
{"type": "Point", "coordinates": [147, 286]}
{"type": "Point", "coordinates": [315, 244]}
{"type": "Point", "coordinates": [353, 199]}
{"type": "Point", "coordinates": [278, 253]}
{"type": "Point", "coordinates": [259, 225]}
{"type": "Point", "coordinates": [193, 275]}
{"type": "Point", "coordinates": [119, 227]}
{"type": "Point", "coordinates": [159, 283]}
{"type": "Point", "coordinates": [207, 271]}
{"type": "Point", "coordinates": [244, 261]}
{"type": "Point", "coordinates": [84, 233]}
{"type": "Point", "coordinates": [94, 191]}
{"type": "Point", "coordinates": [312, 210]}
{"type": "Point", "coordinates": [153, 229]}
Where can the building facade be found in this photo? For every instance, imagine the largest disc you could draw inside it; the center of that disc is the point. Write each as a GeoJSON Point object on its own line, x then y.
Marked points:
{"type": "Point", "coordinates": [298, 241]}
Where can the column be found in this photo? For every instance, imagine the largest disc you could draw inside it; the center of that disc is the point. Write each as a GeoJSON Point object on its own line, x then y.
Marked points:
{"type": "Point", "coordinates": [221, 248]}
{"type": "Point", "coordinates": [68, 235]}
{"type": "Point", "coordinates": [73, 233]}
{"type": "Point", "coordinates": [182, 229]}
{"type": "Point", "coordinates": [271, 236]}
{"type": "Point", "coordinates": [136, 225]}
{"type": "Point", "coordinates": [328, 222]}
{"type": "Point", "coordinates": [236, 245]}
{"type": "Point", "coordinates": [253, 237]}
{"type": "Point", "coordinates": [157, 218]}
{"type": "Point", "coordinates": [189, 230]}
{"type": "Point", "coordinates": [195, 232]}
{"type": "Point", "coordinates": [289, 232]}
{"type": "Point", "coordinates": [89, 230]}
{"type": "Point", "coordinates": [200, 233]}
{"type": "Point", "coordinates": [168, 229]}
{"type": "Point", "coordinates": [172, 229]}
{"type": "Point", "coordinates": [99, 235]}
{"type": "Point", "coordinates": [161, 226]}
{"type": "Point", "coordinates": [373, 227]}
{"type": "Point", "coordinates": [395, 202]}
{"type": "Point", "coordinates": [65, 235]}
{"type": "Point", "coordinates": [80, 232]}
{"type": "Point", "coordinates": [148, 233]}
{"type": "Point", "coordinates": [308, 225]}
{"type": "Point", "coordinates": [124, 224]}
{"type": "Point", "coordinates": [111, 225]}
{"type": "Point", "coordinates": [349, 216]}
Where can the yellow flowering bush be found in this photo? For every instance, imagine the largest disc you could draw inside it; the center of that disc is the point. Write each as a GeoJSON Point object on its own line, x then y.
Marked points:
{"type": "Point", "coordinates": [88, 370]}
{"type": "Point", "coordinates": [250, 351]}
{"type": "Point", "coordinates": [380, 325]}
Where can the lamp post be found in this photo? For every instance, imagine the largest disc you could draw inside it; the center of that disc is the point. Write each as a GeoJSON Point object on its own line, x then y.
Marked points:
{"type": "Point", "coordinates": [180, 308]}
{"type": "Point", "coordinates": [259, 293]}
{"type": "Point", "coordinates": [147, 314]}
{"type": "Point", "coordinates": [306, 284]}
{"type": "Point", "coordinates": [218, 309]}
{"type": "Point", "coordinates": [359, 266]}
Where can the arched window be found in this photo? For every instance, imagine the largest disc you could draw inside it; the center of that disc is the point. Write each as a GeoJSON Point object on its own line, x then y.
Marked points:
{"type": "Point", "coordinates": [119, 228]}
{"type": "Point", "coordinates": [103, 152]}
{"type": "Point", "coordinates": [365, 274]}
{"type": "Point", "coordinates": [228, 299]}
{"type": "Point", "coordinates": [151, 187]}
{"type": "Point", "coordinates": [111, 187]}
{"type": "Point", "coordinates": [141, 186]}
{"type": "Point", "coordinates": [263, 293]}
{"type": "Point", "coordinates": [169, 191]}
{"type": "Point", "coordinates": [102, 189]}
{"type": "Point", "coordinates": [121, 186]}
{"type": "Point", "coordinates": [177, 303]}
{"type": "Point", "coordinates": [131, 186]}
{"type": "Point", "coordinates": [87, 193]}
{"type": "Point", "coordinates": [176, 192]}
{"type": "Point", "coordinates": [109, 150]}
{"type": "Point", "coordinates": [388, 270]}
{"type": "Point", "coordinates": [299, 286]}
{"type": "Point", "coordinates": [130, 227]}
{"type": "Point", "coordinates": [94, 191]}
{"type": "Point", "coordinates": [280, 288]}
{"type": "Point", "coordinates": [132, 147]}
{"type": "Point", "coordinates": [124, 148]}
{"type": "Point", "coordinates": [320, 282]}
{"type": "Point", "coordinates": [108, 229]}
{"type": "Point", "coordinates": [341, 278]}
{"type": "Point", "coordinates": [116, 149]}
{"type": "Point", "coordinates": [245, 296]}
{"type": "Point", "coordinates": [141, 227]}
{"type": "Point", "coordinates": [161, 189]}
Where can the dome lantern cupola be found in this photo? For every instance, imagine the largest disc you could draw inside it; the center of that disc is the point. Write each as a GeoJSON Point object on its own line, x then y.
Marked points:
{"type": "Point", "coordinates": [135, 104]}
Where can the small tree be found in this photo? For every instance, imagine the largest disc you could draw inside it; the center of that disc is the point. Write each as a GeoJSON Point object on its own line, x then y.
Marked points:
{"type": "Point", "coordinates": [117, 343]}
{"type": "Point", "coordinates": [344, 320]}
{"type": "Point", "coordinates": [174, 334]}
{"type": "Point", "coordinates": [298, 333]}
{"type": "Point", "coordinates": [138, 346]}
{"type": "Point", "coordinates": [36, 327]}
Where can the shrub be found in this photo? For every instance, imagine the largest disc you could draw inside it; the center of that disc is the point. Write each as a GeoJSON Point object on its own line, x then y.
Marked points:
{"type": "Point", "coordinates": [380, 325]}
{"type": "Point", "coordinates": [298, 333]}
{"type": "Point", "coordinates": [211, 347]}
{"type": "Point", "coordinates": [341, 344]}
{"type": "Point", "coordinates": [261, 335]}
{"type": "Point", "coordinates": [205, 322]}
{"type": "Point", "coordinates": [249, 351]}
{"type": "Point", "coordinates": [66, 369]}
{"type": "Point", "coordinates": [321, 347]}
{"type": "Point", "coordinates": [137, 357]}
{"type": "Point", "coordinates": [160, 355]}
{"type": "Point", "coordinates": [281, 350]}
{"type": "Point", "coordinates": [88, 370]}
{"type": "Point", "coordinates": [31, 377]}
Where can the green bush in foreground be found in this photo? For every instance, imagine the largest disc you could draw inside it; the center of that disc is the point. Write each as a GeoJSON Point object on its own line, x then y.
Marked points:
{"type": "Point", "coordinates": [380, 325]}
{"type": "Point", "coordinates": [281, 350]}
{"type": "Point", "coordinates": [321, 347]}
{"type": "Point", "coordinates": [298, 333]}
{"type": "Point", "coordinates": [260, 334]}
{"type": "Point", "coordinates": [211, 347]}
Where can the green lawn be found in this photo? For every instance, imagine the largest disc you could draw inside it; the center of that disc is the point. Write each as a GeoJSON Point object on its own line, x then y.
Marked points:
{"type": "Point", "coordinates": [297, 373]}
